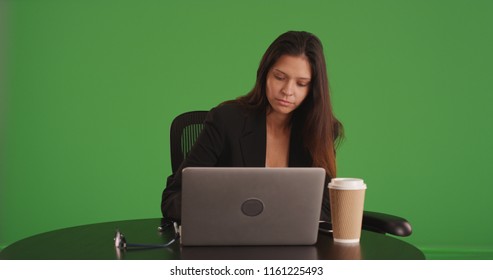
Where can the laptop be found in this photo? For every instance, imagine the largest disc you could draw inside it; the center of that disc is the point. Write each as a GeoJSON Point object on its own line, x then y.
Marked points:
{"type": "Point", "coordinates": [251, 206]}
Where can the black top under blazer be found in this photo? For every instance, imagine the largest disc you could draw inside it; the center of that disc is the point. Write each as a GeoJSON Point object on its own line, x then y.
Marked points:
{"type": "Point", "coordinates": [234, 136]}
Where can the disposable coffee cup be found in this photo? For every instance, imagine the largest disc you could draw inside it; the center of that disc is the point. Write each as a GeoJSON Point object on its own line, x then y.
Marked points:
{"type": "Point", "coordinates": [347, 198]}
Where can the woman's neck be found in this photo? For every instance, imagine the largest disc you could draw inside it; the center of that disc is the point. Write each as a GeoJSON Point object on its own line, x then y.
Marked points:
{"type": "Point", "coordinates": [278, 122]}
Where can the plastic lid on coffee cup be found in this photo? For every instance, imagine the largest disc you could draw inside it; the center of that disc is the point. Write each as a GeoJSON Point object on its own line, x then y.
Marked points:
{"type": "Point", "coordinates": [347, 184]}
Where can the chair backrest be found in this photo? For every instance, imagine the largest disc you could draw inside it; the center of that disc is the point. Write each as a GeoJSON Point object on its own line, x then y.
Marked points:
{"type": "Point", "coordinates": [184, 131]}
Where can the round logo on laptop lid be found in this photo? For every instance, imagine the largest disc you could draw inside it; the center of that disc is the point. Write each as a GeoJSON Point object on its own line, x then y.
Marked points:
{"type": "Point", "coordinates": [252, 207]}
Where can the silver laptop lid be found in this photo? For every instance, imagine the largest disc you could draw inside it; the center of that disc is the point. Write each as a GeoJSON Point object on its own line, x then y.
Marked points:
{"type": "Point", "coordinates": [251, 206]}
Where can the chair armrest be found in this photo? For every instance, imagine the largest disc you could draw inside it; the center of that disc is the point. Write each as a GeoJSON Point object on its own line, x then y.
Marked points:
{"type": "Point", "coordinates": [384, 223]}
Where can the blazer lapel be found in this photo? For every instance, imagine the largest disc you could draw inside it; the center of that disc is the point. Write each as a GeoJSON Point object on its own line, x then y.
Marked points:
{"type": "Point", "coordinates": [253, 139]}
{"type": "Point", "coordinates": [298, 154]}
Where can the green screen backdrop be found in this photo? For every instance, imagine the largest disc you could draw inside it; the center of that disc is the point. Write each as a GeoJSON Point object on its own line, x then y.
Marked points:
{"type": "Point", "coordinates": [89, 89]}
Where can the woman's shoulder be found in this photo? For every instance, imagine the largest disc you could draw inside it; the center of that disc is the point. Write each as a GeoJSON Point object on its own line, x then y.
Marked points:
{"type": "Point", "coordinates": [230, 109]}
{"type": "Point", "coordinates": [230, 114]}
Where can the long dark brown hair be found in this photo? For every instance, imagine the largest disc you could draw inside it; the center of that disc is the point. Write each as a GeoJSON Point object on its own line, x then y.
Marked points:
{"type": "Point", "coordinates": [321, 129]}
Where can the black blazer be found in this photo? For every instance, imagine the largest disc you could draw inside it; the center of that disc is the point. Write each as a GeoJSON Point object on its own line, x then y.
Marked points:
{"type": "Point", "coordinates": [234, 136]}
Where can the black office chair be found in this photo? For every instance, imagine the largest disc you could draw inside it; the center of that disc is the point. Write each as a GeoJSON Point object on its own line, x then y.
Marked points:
{"type": "Point", "coordinates": [185, 129]}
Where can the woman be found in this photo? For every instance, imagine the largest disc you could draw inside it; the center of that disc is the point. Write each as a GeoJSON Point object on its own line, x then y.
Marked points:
{"type": "Point", "coordinates": [285, 121]}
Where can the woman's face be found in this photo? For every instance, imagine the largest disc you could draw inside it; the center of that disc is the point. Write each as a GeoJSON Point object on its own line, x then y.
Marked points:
{"type": "Point", "coordinates": [288, 83]}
